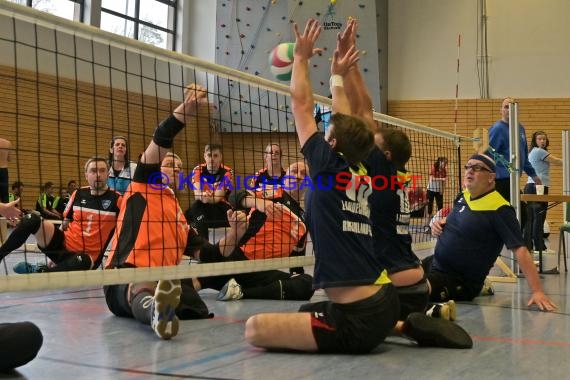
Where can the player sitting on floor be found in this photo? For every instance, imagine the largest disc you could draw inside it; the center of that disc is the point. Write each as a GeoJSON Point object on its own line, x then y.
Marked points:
{"type": "Point", "coordinates": [153, 232]}
{"type": "Point", "coordinates": [89, 221]}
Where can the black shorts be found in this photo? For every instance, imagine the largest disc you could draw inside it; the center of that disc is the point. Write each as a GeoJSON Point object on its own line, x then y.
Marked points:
{"type": "Point", "coordinates": [413, 298]}
{"type": "Point", "coordinates": [446, 286]}
{"type": "Point", "coordinates": [357, 327]}
{"type": "Point", "coordinates": [55, 250]}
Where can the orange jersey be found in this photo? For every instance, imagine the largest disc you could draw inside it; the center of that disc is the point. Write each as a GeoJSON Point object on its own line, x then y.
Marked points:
{"type": "Point", "coordinates": [202, 179]}
{"type": "Point", "coordinates": [276, 238]}
{"type": "Point", "coordinates": [151, 231]}
{"type": "Point", "coordinates": [93, 219]}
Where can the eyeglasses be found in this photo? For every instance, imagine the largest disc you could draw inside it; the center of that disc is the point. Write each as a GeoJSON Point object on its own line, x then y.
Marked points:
{"type": "Point", "coordinates": [477, 168]}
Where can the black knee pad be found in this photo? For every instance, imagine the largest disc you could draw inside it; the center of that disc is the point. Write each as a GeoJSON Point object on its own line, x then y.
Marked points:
{"type": "Point", "coordinates": [298, 287]}
{"type": "Point", "coordinates": [209, 253]}
{"type": "Point", "coordinates": [413, 298]}
{"type": "Point", "coordinates": [30, 223]}
{"type": "Point", "coordinates": [78, 261]}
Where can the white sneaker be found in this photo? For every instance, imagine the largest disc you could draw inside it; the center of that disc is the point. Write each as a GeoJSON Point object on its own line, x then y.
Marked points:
{"type": "Point", "coordinates": [166, 298]}
{"type": "Point", "coordinates": [230, 291]}
{"type": "Point", "coordinates": [446, 310]}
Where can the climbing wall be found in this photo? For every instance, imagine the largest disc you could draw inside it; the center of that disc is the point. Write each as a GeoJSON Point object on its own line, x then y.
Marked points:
{"type": "Point", "coordinates": [247, 30]}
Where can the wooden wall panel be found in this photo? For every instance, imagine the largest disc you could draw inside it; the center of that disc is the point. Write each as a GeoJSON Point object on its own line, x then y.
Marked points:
{"type": "Point", "coordinates": [56, 124]}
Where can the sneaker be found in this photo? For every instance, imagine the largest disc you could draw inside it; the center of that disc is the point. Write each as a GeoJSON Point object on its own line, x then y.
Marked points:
{"type": "Point", "coordinates": [487, 289]}
{"type": "Point", "coordinates": [166, 298]}
{"type": "Point", "coordinates": [230, 291]}
{"type": "Point", "coordinates": [446, 310]}
{"type": "Point", "coordinates": [23, 267]}
{"type": "Point", "coordinates": [433, 332]}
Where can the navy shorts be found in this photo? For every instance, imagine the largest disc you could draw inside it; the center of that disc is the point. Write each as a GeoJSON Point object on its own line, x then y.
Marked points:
{"type": "Point", "coordinates": [357, 327]}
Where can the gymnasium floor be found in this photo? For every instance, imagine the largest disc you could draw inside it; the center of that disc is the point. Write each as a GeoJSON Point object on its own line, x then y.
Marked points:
{"type": "Point", "coordinates": [82, 340]}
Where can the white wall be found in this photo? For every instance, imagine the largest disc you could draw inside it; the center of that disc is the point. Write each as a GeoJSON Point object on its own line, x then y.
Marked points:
{"type": "Point", "coordinates": [197, 29]}
{"type": "Point", "coordinates": [527, 44]}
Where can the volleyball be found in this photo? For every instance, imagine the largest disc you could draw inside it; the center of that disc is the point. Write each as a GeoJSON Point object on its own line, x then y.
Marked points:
{"type": "Point", "coordinates": [281, 61]}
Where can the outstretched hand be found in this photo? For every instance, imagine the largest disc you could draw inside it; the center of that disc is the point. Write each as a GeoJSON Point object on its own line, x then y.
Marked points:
{"type": "Point", "coordinates": [542, 301]}
{"type": "Point", "coordinates": [195, 95]}
{"type": "Point", "coordinates": [347, 38]}
{"type": "Point", "coordinates": [342, 63]}
{"type": "Point", "coordinates": [304, 43]}
{"type": "Point", "coordinates": [10, 210]}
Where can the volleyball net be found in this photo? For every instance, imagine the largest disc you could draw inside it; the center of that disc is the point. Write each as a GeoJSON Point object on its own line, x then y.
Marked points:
{"type": "Point", "coordinates": [66, 89]}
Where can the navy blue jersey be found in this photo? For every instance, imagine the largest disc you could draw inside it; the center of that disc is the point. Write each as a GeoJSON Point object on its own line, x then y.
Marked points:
{"type": "Point", "coordinates": [474, 234]}
{"type": "Point", "coordinates": [338, 217]}
{"type": "Point", "coordinates": [390, 215]}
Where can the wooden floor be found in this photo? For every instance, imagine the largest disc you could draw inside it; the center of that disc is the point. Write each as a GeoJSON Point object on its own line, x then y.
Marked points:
{"type": "Point", "coordinates": [82, 340]}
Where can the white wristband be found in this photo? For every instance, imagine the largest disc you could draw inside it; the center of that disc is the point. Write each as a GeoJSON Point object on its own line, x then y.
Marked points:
{"type": "Point", "coordinates": [336, 81]}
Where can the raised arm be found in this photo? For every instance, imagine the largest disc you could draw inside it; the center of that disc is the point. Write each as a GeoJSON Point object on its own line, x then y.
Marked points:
{"type": "Point", "coordinates": [355, 88]}
{"type": "Point", "coordinates": [194, 96]}
{"type": "Point", "coordinates": [302, 101]}
{"type": "Point", "coordinates": [340, 66]}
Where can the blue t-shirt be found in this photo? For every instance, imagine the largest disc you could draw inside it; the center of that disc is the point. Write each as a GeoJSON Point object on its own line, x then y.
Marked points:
{"type": "Point", "coordinates": [120, 181]}
{"type": "Point", "coordinates": [474, 234]}
{"type": "Point", "coordinates": [537, 158]}
{"type": "Point", "coordinates": [499, 140]}
{"type": "Point", "coordinates": [337, 216]}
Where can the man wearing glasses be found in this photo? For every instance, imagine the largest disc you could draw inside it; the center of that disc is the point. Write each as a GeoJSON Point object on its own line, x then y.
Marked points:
{"type": "Point", "coordinates": [472, 236]}
{"type": "Point", "coordinates": [270, 176]}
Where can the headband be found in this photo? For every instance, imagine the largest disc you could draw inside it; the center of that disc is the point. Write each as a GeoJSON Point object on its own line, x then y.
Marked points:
{"type": "Point", "coordinates": [485, 159]}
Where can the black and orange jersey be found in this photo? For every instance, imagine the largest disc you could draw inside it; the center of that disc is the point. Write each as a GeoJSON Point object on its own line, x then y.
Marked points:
{"type": "Point", "coordinates": [262, 177]}
{"type": "Point", "coordinates": [151, 230]}
{"type": "Point", "coordinates": [276, 238]}
{"type": "Point", "coordinates": [93, 219]}
{"type": "Point", "coordinates": [202, 177]}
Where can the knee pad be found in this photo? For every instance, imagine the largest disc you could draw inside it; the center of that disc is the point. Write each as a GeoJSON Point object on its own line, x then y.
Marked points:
{"type": "Point", "coordinates": [210, 253]}
{"type": "Point", "coordinates": [298, 287]}
{"type": "Point", "coordinates": [78, 261]}
{"type": "Point", "coordinates": [30, 223]}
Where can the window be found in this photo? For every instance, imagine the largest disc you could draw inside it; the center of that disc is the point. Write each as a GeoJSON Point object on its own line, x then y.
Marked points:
{"type": "Point", "coordinates": [150, 21]}
{"type": "Point", "coordinates": [69, 9]}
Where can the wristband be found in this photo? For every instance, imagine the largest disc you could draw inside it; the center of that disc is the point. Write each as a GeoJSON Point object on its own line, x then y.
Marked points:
{"type": "Point", "coordinates": [336, 81]}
